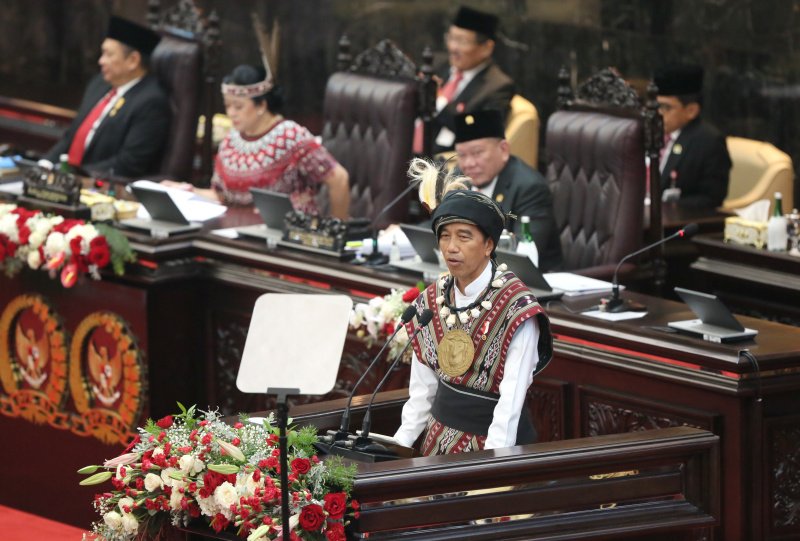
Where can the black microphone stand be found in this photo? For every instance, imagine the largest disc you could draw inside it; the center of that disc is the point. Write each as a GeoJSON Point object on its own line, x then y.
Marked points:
{"type": "Point", "coordinates": [364, 443]}
{"type": "Point", "coordinates": [344, 426]}
{"type": "Point", "coordinates": [615, 304]}
{"type": "Point", "coordinates": [376, 258]}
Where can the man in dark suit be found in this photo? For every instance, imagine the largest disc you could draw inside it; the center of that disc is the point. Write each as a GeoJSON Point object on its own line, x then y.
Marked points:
{"type": "Point", "coordinates": [124, 117]}
{"type": "Point", "coordinates": [694, 164]}
{"type": "Point", "coordinates": [473, 81]}
{"type": "Point", "coordinates": [483, 156]}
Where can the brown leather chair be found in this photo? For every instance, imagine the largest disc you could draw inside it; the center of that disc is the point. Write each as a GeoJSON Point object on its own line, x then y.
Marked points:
{"type": "Point", "coordinates": [177, 63]}
{"type": "Point", "coordinates": [596, 171]}
{"type": "Point", "coordinates": [369, 113]}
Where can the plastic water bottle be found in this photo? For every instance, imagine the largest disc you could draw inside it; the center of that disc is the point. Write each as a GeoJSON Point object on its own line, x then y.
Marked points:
{"type": "Point", "coordinates": [777, 232]}
{"type": "Point", "coordinates": [526, 245]}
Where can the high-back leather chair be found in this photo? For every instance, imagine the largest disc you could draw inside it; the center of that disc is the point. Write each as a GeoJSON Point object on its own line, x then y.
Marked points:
{"type": "Point", "coordinates": [177, 63]}
{"type": "Point", "coordinates": [186, 64]}
{"type": "Point", "coordinates": [369, 113]}
{"type": "Point", "coordinates": [595, 152]}
{"type": "Point", "coordinates": [522, 130]}
{"type": "Point", "coordinates": [759, 170]}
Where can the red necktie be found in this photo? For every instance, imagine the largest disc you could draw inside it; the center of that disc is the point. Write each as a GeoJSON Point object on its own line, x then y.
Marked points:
{"type": "Point", "coordinates": [448, 91]}
{"type": "Point", "coordinates": [78, 146]}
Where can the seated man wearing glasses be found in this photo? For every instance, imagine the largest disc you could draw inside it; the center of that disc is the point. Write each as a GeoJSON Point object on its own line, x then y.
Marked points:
{"type": "Point", "coordinates": [473, 81]}
{"type": "Point", "coordinates": [694, 162]}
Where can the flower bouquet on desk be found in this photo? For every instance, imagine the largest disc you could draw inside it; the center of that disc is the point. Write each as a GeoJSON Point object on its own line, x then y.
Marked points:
{"type": "Point", "coordinates": [65, 247]}
{"type": "Point", "coordinates": [377, 319]}
{"type": "Point", "coordinates": [184, 469]}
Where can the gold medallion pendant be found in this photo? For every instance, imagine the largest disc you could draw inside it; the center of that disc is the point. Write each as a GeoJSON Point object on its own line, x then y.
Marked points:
{"type": "Point", "coordinates": [456, 352]}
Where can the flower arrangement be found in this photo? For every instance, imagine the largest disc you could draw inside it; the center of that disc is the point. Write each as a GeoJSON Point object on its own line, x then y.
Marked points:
{"type": "Point", "coordinates": [377, 319]}
{"type": "Point", "coordinates": [186, 467]}
{"type": "Point", "coordinates": [53, 243]}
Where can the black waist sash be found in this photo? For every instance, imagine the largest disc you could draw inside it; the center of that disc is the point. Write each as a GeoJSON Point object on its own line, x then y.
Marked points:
{"type": "Point", "coordinates": [472, 411]}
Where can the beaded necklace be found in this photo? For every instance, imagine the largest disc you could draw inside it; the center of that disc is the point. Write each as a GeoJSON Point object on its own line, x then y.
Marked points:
{"type": "Point", "coordinates": [465, 313]}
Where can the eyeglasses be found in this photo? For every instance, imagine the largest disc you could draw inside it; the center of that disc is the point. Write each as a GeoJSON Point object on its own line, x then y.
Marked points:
{"type": "Point", "coordinates": [461, 41]}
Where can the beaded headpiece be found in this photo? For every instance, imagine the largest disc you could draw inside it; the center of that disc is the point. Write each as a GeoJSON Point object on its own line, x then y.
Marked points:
{"type": "Point", "coordinates": [268, 44]}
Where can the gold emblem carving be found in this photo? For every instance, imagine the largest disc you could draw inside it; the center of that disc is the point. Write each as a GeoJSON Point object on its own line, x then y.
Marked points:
{"type": "Point", "coordinates": [456, 352]}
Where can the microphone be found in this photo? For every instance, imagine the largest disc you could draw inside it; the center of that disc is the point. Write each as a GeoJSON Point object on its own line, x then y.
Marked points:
{"type": "Point", "coordinates": [344, 426]}
{"type": "Point", "coordinates": [615, 303]}
{"type": "Point", "coordinates": [376, 257]}
{"type": "Point", "coordinates": [364, 443]}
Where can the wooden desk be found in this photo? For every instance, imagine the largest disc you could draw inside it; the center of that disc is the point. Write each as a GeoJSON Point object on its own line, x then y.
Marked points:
{"type": "Point", "coordinates": [618, 377]}
{"type": "Point", "coordinates": [751, 281]}
{"type": "Point", "coordinates": [188, 305]}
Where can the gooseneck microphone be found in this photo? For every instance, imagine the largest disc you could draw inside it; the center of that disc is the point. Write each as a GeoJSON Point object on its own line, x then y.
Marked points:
{"type": "Point", "coordinates": [364, 443]}
{"type": "Point", "coordinates": [344, 426]}
{"type": "Point", "coordinates": [376, 257]}
{"type": "Point", "coordinates": [615, 304]}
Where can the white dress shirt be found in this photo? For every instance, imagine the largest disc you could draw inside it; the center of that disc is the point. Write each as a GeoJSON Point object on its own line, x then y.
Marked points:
{"type": "Point", "coordinates": [521, 361]}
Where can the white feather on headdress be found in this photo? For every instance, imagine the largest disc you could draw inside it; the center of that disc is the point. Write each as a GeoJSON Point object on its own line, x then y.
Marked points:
{"type": "Point", "coordinates": [434, 181]}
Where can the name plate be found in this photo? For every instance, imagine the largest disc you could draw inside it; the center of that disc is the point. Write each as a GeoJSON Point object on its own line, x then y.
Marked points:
{"type": "Point", "coordinates": [52, 187]}
{"type": "Point", "coordinates": [322, 235]}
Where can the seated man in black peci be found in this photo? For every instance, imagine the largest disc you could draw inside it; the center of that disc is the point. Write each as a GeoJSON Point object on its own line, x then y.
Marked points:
{"type": "Point", "coordinates": [124, 117]}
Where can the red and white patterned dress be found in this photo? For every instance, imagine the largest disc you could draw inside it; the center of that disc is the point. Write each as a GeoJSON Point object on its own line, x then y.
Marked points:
{"type": "Point", "coordinates": [286, 159]}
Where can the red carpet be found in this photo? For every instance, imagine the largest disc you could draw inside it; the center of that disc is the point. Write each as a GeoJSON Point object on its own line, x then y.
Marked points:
{"type": "Point", "coordinates": [20, 526]}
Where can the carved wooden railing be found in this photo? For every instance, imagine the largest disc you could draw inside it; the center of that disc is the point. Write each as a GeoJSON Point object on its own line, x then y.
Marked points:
{"type": "Point", "coordinates": [643, 485]}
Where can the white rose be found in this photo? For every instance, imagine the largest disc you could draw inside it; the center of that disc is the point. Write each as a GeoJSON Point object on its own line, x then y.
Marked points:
{"type": "Point", "coordinates": [125, 502]}
{"type": "Point", "coordinates": [166, 479]}
{"type": "Point", "coordinates": [225, 495]}
{"type": "Point", "coordinates": [198, 466]}
{"type": "Point", "coordinates": [36, 239]}
{"type": "Point", "coordinates": [186, 463]}
{"type": "Point", "coordinates": [34, 259]}
{"type": "Point", "coordinates": [113, 520]}
{"type": "Point", "coordinates": [54, 245]}
{"type": "Point", "coordinates": [246, 485]}
{"type": "Point", "coordinates": [175, 499]}
{"type": "Point", "coordinates": [207, 506]}
{"type": "Point", "coordinates": [129, 523]}
{"type": "Point", "coordinates": [152, 482]}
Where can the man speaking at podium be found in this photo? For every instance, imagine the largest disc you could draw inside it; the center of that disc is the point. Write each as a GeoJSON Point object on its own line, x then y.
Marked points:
{"type": "Point", "coordinates": [474, 362]}
{"type": "Point", "coordinates": [124, 116]}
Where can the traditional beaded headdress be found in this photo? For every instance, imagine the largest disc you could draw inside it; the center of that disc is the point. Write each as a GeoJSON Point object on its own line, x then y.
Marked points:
{"type": "Point", "coordinates": [268, 43]}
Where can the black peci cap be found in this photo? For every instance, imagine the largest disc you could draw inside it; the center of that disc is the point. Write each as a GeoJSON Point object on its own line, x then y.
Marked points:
{"type": "Point", "coordinates": [679, 80]}
{"type": "Point", "coordinates": [477, 21]}
{"type": "Point", "coordinates": [479, 125]}
{"type": "Point", "coordinates": [133, 35]}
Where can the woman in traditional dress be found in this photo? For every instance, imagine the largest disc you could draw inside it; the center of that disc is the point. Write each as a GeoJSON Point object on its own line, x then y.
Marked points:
{"type": "Point", "coordinates": [265, 150]}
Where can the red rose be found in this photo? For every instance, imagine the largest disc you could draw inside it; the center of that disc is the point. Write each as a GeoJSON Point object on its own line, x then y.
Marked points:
{"type": "Point", "coordinates": [99, 253]}
{"type": "Point", "coordinates": [335, 532]}
{"type": "Point", "coordinates": [24, 234]}
{"type": "Point", "coordinates": [300, 466]}
{"type": "Point", "coordinates": [411, 294]}
{"type": "Point", "coordinates": [312, 517]}
{"type": "Point", "coordinates": [165, 422]}
{"type": "Point", "coordinates": [335, 504]}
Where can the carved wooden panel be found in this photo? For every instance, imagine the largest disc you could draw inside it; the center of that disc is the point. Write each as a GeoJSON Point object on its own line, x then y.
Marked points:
{"type": "Point", "coordinates": [603, 412]}
{"type": "Point", "coordinates": [783, 459]}
{"type": "Point", "coordinates": [546, 400]}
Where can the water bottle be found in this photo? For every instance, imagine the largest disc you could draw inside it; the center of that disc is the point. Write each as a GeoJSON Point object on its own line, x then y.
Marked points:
{"type": "Point", "coordinates": [63, 164]}
{"type": "Point", "coordinates": [507, 241]}
{"type": "Point", "coordinates": [526, 245]}
{"type": "Point", "coordinates": [777, 227]}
